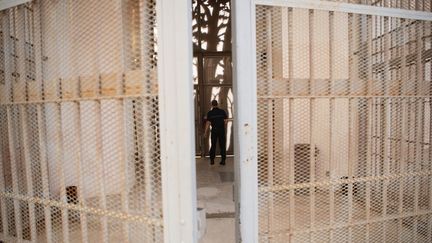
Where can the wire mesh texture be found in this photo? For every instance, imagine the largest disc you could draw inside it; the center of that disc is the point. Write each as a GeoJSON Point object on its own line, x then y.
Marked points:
{"type": "Point", "coordinates": [344, 127]}
{"type": "Point", "coordinates": [79, 123]}
{"type": "Point", "coordinates": [419, 5]}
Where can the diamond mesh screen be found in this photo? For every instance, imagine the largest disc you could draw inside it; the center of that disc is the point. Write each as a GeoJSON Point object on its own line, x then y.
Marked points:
{"type": "Point", "coordinates": [344, 127]}
{"type": "Point", "coordinates": [79, 123]}
{"type": "Point", "coordinates": [419, 5]}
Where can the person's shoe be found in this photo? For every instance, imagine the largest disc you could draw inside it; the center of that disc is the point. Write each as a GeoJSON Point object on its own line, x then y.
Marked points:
{"type": "Point", "coordinates": [212, 162]}
{"type": "Point", "coordinates": [222, 162]}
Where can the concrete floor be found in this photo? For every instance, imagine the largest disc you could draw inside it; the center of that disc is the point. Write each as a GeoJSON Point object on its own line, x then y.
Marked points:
{"type": "Point", "coordinates": [215, 194]}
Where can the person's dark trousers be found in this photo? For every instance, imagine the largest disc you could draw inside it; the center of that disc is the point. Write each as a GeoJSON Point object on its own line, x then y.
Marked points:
{"type": "Point", "coordinates": [215, 137]}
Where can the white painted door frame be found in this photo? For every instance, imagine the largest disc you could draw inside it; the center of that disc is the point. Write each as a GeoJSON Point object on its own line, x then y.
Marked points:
{"type": "Point", "coordinates": [177, 143]}
{"type": "Point", "coordinates": [245, 124]}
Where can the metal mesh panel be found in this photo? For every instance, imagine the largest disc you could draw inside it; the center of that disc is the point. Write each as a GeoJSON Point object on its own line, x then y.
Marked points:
{"type": "Point", "coordinates": [419, 5]}
{"type": "Point", "coordinates": [79, 123]}
{"type": "Point", "coordinates": [343, 127]}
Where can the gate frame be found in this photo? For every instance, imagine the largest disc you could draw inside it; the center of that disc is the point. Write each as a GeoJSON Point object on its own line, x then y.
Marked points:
{"type": "Point", "coordinates": [245, 93]}
{"type": "Point", "coordinates": [177, 133]}
{"type": "Point", "coordinates": [245, 124]}
{"type": "Point", "coordinates": [175, 95]}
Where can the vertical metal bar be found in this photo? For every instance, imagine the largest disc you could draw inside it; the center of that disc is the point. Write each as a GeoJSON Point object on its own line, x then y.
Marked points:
{"type": "Point", "coordinates": [429, 166]}
{"type": "Point", "coordinates": [270, 168]}
{"type": "Point", "coordinates": [19, 90]}
{"type": "Point", "coordinates": [245, 139]}
{"type": "Point", "coordinates": [418, 120]}
{"type": "Point", "coordinates": [351, 50]}
{"type": "Point", "coordinates": [352, 45]}
{"type": "Point", "coordinates": [351, 143]}
{"type": "Point", "coordinates": [44, 171]}
{"type": "Point", "coordinates": [332, 169]}
{"type": "Point", "coordinates": [100, 160]}
{"type": "Point", "coordinates": [13, 161]}
{"type": "Point", "coordinates": [4, 218]}
{"type": "Point", "coordinates": [331, 113]}
{"type": "Point", "coordinates": [311, 123]}
{"type": "Point", "coordinates": [286, 67]}
{"type": "Point", "coordinates": [79, 172]}
{"type": "Point", "coordinates": [331, 48]}
{"type": "Point", "coordinates": [312, 163]}
{"type": "Point", "coordinates": [60, 161]}
{"type": "Point", "coordinates": [403, 162]}
{"type": "Point", "coordinates": [269, 51]}
{"type": "Point", "coordinates": [290, 51]}
{"type": "Point", "coordinates": [369, 83]}
{"type": "Point", "coordinates": [28, 171]}
{"type": "Point", "coordinates": [124, 148]}
{"type": "Point", "coordinates": [371, 119]}
{"type": "Point", "coordinates": [370, 91]}
{"type": "Point", "coordinates": [311, 53]}
{"type": "Point", "coordinates": [125, 175]}
{"type": "Point", "coordinates": [403, 137]}
{"type": "Point", "coordinates": [291, 169]}
{"type": "Point", "coordinates": [417, 162]}
{"type": "Point", "coordinates": [270, 160]}
{"type": "Point", "coordinates": [387, 119]}
{"type": "Point", "coordinates": [291, 220]}
{"type": "Point", "coordinates": [147, 133]}
{"type": "Point", "coordinates": [38, 45]}
{"type": "Point", "coordinates": [386, 155]}
{"type": "Point", "coordinates": [7, 95]}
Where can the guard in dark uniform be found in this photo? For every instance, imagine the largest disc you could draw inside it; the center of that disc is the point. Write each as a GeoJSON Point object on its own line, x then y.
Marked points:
{"type": "Point", "coordinates": [217, 118]}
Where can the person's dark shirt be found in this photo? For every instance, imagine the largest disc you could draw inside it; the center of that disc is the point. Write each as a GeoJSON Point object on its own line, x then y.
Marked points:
{"type": "Point", "coordinates": [216, 117]}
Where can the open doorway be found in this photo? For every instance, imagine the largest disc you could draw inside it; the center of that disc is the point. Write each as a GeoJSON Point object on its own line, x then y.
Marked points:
{"type": "Point", "coordinates": [213, 80]}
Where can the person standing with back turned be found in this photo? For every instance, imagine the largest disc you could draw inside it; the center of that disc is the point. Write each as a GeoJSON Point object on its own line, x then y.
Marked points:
{"type": "Point", "coordinates": [217, 118]}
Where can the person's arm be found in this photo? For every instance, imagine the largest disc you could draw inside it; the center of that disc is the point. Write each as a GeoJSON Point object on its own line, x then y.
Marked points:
{"type": "Point", "coordinates": [207, 128]}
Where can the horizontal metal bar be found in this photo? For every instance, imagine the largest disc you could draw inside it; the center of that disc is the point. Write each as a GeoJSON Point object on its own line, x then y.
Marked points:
{"type": "Point", "coordinates": [342, 96]}
{"type": "Point", "coordinates": [118, 97]}
{"type": "Point", "coordinates": [96, 211]}
{"type": "Point", "coordinates": [342, 181]}
{"type": "Point", "coordinates": [353, 224]}
{"type": "Point", "coordinates": [6, 238]}
{"type": "Point", "coordinates": [349, 8]}
{"type": "Point", "coordinates": [5, 4]}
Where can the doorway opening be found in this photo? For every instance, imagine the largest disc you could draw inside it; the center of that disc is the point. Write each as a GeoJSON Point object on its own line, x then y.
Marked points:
{"type": "Point", "coordinates": [213, 80]}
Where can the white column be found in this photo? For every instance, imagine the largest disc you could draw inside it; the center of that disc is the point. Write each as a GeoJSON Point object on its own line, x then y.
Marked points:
{"type": "Point", "coordinates": [176, 120]}
{"type": "Point", "coordinates": [245, 139]}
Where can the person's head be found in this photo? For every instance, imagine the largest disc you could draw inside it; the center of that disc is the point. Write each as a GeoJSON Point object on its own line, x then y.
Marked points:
{"type": "Point", "coordinates": [214, 103]}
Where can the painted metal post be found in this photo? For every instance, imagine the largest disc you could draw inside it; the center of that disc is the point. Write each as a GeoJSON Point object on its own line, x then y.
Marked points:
{"type": "Point", "coordinates": [245, 139]}
{"type": "Point", "coordinates": [176, 120]}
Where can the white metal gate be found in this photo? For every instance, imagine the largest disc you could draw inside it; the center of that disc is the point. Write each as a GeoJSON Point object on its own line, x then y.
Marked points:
{"type": "Point", "coordinates": [79, 126]}
{"type": "Point", "coordinates": [344, 123]}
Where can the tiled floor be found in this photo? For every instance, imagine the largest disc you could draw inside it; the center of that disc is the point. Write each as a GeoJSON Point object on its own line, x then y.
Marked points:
{"type": "Point", "coordinates": [215, 194]}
